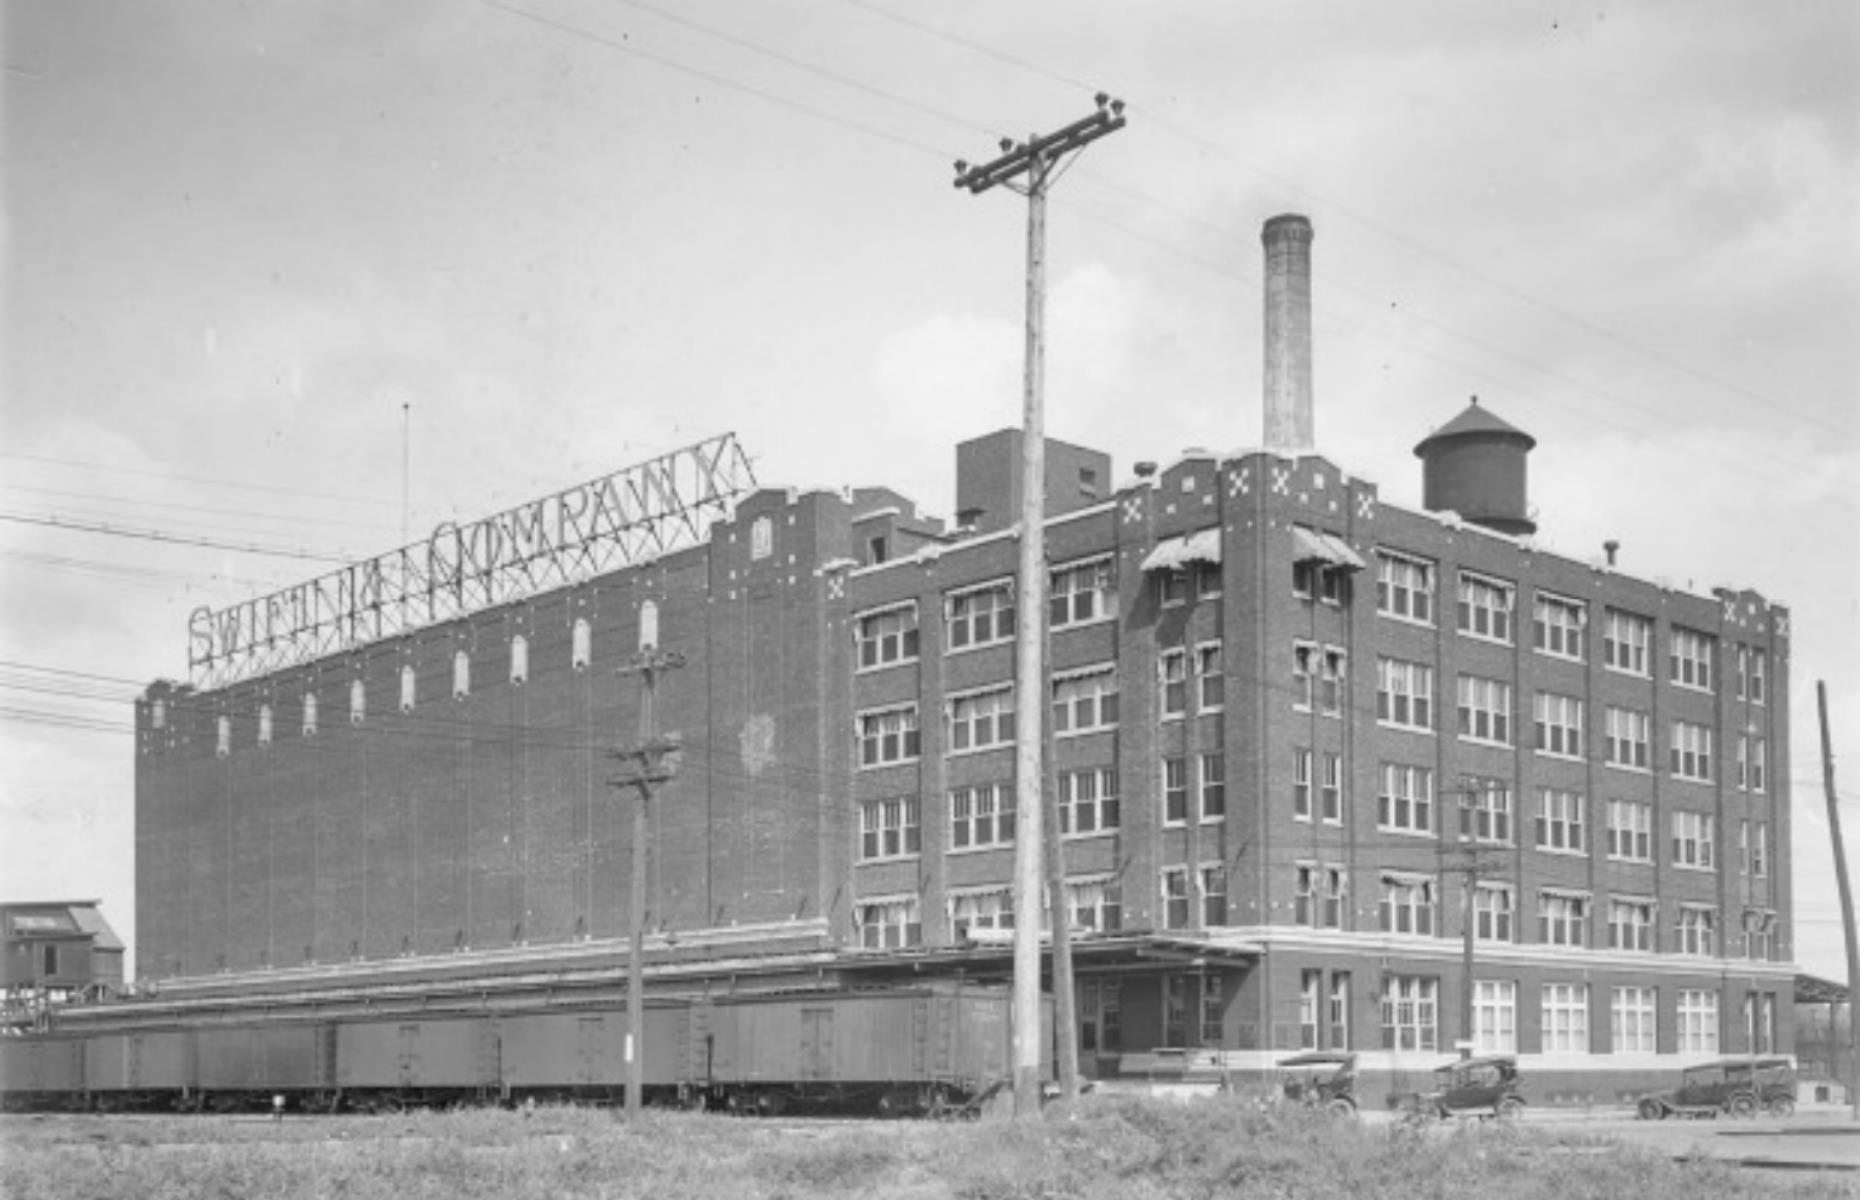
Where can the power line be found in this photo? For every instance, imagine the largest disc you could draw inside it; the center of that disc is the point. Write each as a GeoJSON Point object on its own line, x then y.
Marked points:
{"type": "Point", "coordinates": [113, 469]}
{"type": "Point", "coordinates": [152, 535]}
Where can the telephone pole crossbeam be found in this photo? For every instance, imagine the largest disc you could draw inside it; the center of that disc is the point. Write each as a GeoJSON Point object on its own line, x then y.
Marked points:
{"type": "Point", "coordinates": [1036, 159]}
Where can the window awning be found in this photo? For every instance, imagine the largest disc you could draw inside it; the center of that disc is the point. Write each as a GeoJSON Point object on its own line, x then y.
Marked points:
{"type": "Point", "coordinates": [1309, 545]}
{"type": "Point", "coordinates": [1172, 554]}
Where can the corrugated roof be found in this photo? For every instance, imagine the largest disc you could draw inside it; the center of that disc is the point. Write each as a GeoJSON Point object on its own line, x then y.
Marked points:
{"type": "Point", "coordinates": [1478, 420]}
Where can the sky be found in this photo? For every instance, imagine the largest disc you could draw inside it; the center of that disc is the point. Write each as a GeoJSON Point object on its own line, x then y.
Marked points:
{"type": "Point", "coordinates": [313, 276]}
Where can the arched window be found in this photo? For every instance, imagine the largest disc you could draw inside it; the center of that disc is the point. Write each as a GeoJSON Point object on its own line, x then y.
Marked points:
{"type": "Point", "coordinates": [309, 713]}
{"type": "Point", "coordinates": [461, 675]}
{"type": "Point", "coordinates": [519, 659]}
{"type": "Point", "coordinates": [158, 714]}
{"type": "Point", "coordinates": [408, 687]}
{"type": "Point", "coordinates": [583, 653]}
{"type": "Point", "coordinates": [761, 537]}
{"type": "Point", "coordinates": [264, 724]}
{"type": "Point", "coordinates": [225, 739]}
{"type": "Point", "coordinates": [358, 703]}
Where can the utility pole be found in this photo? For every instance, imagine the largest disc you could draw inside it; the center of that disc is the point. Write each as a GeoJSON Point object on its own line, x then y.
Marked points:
{"type": "Point", "coordinates": [1475, 863]}
{"type": "Point", "coordinates": [653, 761]}
{"type": "Point", "coordinates": [1037, 159]}
{"type": "Point", "coordinates": [1843, 887]}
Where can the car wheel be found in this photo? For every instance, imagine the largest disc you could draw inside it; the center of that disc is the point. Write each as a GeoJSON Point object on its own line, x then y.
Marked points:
{"type": "Point", "coordinates": [1742, 1105]}
{"type": "Point", "coordinates": [1340, 1108]}
{"type": "Point", "coordinates": [1510, 1108]}
{"type": "Point", "coordinates": [1782, 1106]}
{"type": "Point", "coordinates": [1651, 1110]}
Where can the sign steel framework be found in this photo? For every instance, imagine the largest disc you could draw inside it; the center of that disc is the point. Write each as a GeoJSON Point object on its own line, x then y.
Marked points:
{"type": "Point", "coordinates": [615, 521]}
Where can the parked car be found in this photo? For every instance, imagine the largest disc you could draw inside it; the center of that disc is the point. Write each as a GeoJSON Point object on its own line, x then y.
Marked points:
{"type": "Point", "coordinates": [1486, 1086]}
{"type": "Point", "coordinates": [1737, 1086]}
{"type": "Point", "coordinates": [1323, 1079]}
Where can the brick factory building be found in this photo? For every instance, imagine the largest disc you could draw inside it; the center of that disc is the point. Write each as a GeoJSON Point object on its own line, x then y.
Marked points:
{"type": "Point", "coordinates": [1292, 726]}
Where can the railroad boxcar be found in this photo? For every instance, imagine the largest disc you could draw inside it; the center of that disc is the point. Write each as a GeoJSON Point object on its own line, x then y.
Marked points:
{"type": "Point", "coordinates": [246, 1066]}
{"type": "Point", "coordinates": [580, 1054]}
{"type": "Point", "coordinates": [140, 1069]}
{"type": "Point", "coordinates": [391, 1064]}
{"type": "Point", "coordinates": [42, 1072]}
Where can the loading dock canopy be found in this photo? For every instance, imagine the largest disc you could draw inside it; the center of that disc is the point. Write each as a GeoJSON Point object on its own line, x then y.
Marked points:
{"type": "Point", "coordinates": [1172, 554]}
{"type": "Point", "coordinates": [1309, 545]}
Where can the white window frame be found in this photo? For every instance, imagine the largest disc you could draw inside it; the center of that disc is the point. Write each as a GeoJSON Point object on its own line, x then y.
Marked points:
{"type": "Point", "coordinates": [1211, 786]}
{"type": "Point", "coordinates": [1330, 788]}
{"type": "Point", "coordinates": [461, 674]}
{"type": "Point", "coordinates": [1697, 1014]}
{"type": "Point", "coordinates": [1174, 790]}
{"type": "Point", "coordinates": [1305, 657]}
{"type": "Point", "coordinates": [1628, 739]}
{"type": "Point", "coordinates": [409, 687]}
{"type": "Point", "coordinates": [1333, 680]}
{"type": "Point", "coordinates": [1689, 655]}
{"type": "Point", "coordinates": [1634, 1020]}
{"type": "Point", "coordinates": [264, 724]}
{"type": "Point", "coordinates": [1627, 643]}
{"type": "Point", "coordinates": [1495, 913]}
{"type": "Point", "coordinates": [1087, 694]}
{"type": "Point", "coordinates": [871, 729]}
{"type": "Point", "coordinates": [1090, 790]}
{"type": "Point", "coordinates": [1565, 1028]}
{"type": "Point", "coordinates": [519, 660]}
{"type": "Point", "coordinates": [1486, 813]}
{"type": "Point", "coordinates": [1177, 897]}
{"type": "Point", "coordinates": [1404, 587]}
{"type": "Point", "coordinates": [979, 720]}
{"type": "Point", "coordinates": [1210, 677]}
{"type": "Point", "coordinates": [1562, 825]}
{"type": "Point", "coordinates": [1404, 695]}
{"type": "Point", "coordinates": [1695, 931]}
{"type": "Point", "coordinates": [1695, 840]}
{"type": "Point", "coordinates": [1632, 924]}
{"type": "Point", "coordinates": [1495, 1016]}
{"type": "Point", "coordinates": [1411, 1013]}
{"type": "Point", "coordinates": [1558, 626]}
{"type": "Point", "coordinates": [1558, 722]}
{"type": "Point", "coordinates": [901, 916]}
{"type": "Point", "coordinates": [309, 728]}
{"type": "Point", "coordinates": [1563, 918]}
{"type": "Point", "coordinates": [981, 816]}
{"type": "Point", "coordinates": [1095, 903]}
{"type": "Point", "coordinates": [1070, 605]}
{"type": "Point", "coordinates": [1630, 830]}
{"type": "Point", "coordinates": [1691, 752]}
{"type": "Point", "coordinates": [890, 829]}
{"type": "Point", "coordinates": [1405, 798]}
{"type": "Point", "coordinates": [1410, 905]}
{"type": "Point", "coordinates": [223, 736]}
{"type": "Point", "coordinates": [358, 702]}
{"type": "Point", "coordinates": [1304, 764]}
{"type": "Point", "coordinates": [979, 908]}
{"type": "Point", "coordinates": [886, 637]}
{"type": "Point", "coordinates": [1172, 683]}
{"type": "Point", "coordinates": [1211, 891]}
{"type": "Point", "coordinates": [999, 620]}
{"type": "Point", "coordinates": [1485, 607]}
{"type": "Point", "coordinates": [1485, 710]}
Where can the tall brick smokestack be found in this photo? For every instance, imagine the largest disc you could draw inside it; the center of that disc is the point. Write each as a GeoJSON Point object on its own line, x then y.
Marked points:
{"type": "Point", "coordinates": [1289, 425]}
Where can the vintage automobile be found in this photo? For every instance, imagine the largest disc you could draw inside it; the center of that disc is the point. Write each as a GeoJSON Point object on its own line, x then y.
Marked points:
{"type": "Point", "coordinates": [1485, 1086]}
{"type": "Point", "coordinates": [1739, 1087]}
{"type": "Point", "coordinates": [1323, 1079]}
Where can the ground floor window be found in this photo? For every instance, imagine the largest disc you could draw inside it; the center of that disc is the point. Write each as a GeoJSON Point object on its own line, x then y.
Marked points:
{"type": "Point", "coordinates": [1175, 1010]}
{"type": "Point", "coordinates": [1495, 1016]}
{"type": "Point", "coordinates": [1101, 1016]}
{"type": "Point", "coordinates": [889, 924]}
{"type": "Point", "coordinates": [1760, 1022]}
{"type": "Point", "coordinates": [1698, 1022]}
{"type": "Point", "coordinates": [1309, 984]}
{"type": "Point", "coordinates": [1565, 1018]}
{"type": "Point", "coordinates": [1632, 1020]}
{"type": "Point", "coordinates": [1411, 1013]}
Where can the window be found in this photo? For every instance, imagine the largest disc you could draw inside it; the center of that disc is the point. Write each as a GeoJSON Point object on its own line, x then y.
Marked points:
{"type": "Point", "coordinates": [981, 719]}
{"type": "Point", "coordinates": [890, 828]}
{"type": "Point", "coordinates": [1566, 1018]}
{"type": "Point", "coordinates": [1492, 911]}
{"type": "Point", "coordinates": [1339, 1010]}
{"type": "Point", "coordinates": [982, 815]}
{"type": "Point", "coordinates": [1301, 783]}
{"type": "Point", "coordinates": [519, 659]}
{"type": "Point", "coordinates": [1698, 1022]}
{"type": "Point", "coordinates": [581, 654]}
{"type": "Point", "coordinates": [1080, 593]}
{"type": "Point", "coordinates": [1404, 587]}
{"type": "Point", "coordinates": [1175, 897]}
{"type": "Point", "coordinates": [1695, 835]}
{"type": "Point", "coordinates": [1330, 681]}
{"type": "Point", "coordinates": [223, 744]}
{"type": "Point", "coordinates": [1557, 625]}
{"type": "Point", "coordinates": [761, 538]}
{"type": "Point", "coordinates": [1485, 608]}
{"type": "Point", "coordinates": [358, 702]}
{"type": "Point", "coordinates": [1759, 662]}
{"type": "Point", "coordinates": [1331, 793]}
{"type": "Point", "coordinates": [1757, 857]}
{"type": "Point", "coordinates": [991, 909]}
{"type": "Point", "coordinates": [1688, 658]}
{"type": "Point", "coordinates": [1752, 763]}
{"type": "Point", "coordinates": [1404, 694]}
{"type": "Point", "coordinates": [1562, 820]}
{"type": "Point", "coordinates": [1175, 791]}
{"type": "Point", "coordinates": [1175, 1009]}
{"type": "Point", "coordinates": [1208, 672]}
{"type": "Point", "coordinates": [1628, 733]}
{"type": "Point", "coordinates": [1101, 1015]}
{"type": "Point", "coordinates": [1485, 710]}
{"type": "Point", "coordinates": [264, 724]}
{"type": "Point", "coordinates": [1318, 893]}
{"type": "Point", "coordinates": [1088, 800]}
{"type": "Point", "coordinates": [1213, 1010]}
{"type": "Point", "coordinates": [1630, 830]}
{"type": "Point", "coordinates": [1207, 580]}
{"type": "Point", "coordinates": [1630, 925]}
{"type": "Point", "coordinates": [1411, 1013]}
{"type": "Point", "coordinates": [1408, 904]}
{"type": "Point", "coordinates": [1626, 639]}
{"type": "Point", "coordinates": [1495, 1017]}
{"type": "Point", "coordinates": [981, 617]}
{"type": "Point", "coordinates": [1563, 919]}
{"type": "Point", "coordinates": [1173, 665]}
{"type": "Point", "coordinates": [1096, 905]}
{"type": "Point", "coordinates": [1485, 812]}
{"type": "Point", "coordinates": [461, 675]}
{"type": "Point", "coordinates": [1759, 935]}
{"type": "Point", "coordinates": [409, 687]}
{"type": "Point", "coordinates": [1085, 701]}
{"type": "Point", "coordinates": [876, 549]}
{"type": "Point", "coordinates": [1632, 1021]}
{"type": "Point", "coordinates": [887, 637]}
{"type": "Point", "coordinates": [158, 714]}
{"type": "Point", "coordinates": [1559, 725]}
{"type": "Point", "coordinates": [1304, 671]}
{"type": "Point", "coordinates": [1760, 1022]}
{"type": "Point", "coordinates": [1171, 587]}
{"type": "Point", "coordinates": [1405, 799]}
{"type": "Point", "coordinates": [1697, 932]}
{"type": "Point", "coordinates": [1213, 787]}
{"type": "Point", "coordinates": [309, 713]}
{"type": "Point", "coordinates": [1691, 750]}
{"type": "Point", "coordinates": [1309, 985]}
{"type": "Point", "coordinates": [1213, 880]}
{"type": "Point", "coordinates": [889, 924]}
{"type": "Point", "coordinates": [888, 736]}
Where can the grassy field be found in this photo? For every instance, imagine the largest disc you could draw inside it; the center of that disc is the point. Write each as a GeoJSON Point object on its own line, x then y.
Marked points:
{"type": "Point", "coordinates": [1113, 1150]}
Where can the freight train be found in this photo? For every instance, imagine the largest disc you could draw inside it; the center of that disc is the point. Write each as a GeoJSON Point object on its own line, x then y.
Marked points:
{"type": "Point", "coordinates": [931, 1049]}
